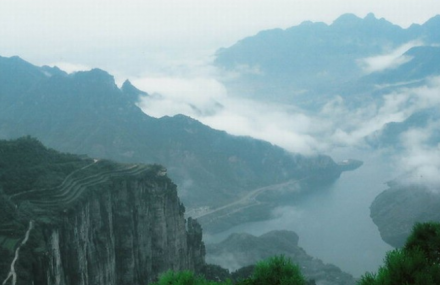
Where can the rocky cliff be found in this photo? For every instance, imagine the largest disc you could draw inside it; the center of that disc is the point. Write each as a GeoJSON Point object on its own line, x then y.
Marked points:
{"type": "Point", "coordinates": [87, 113]}
{"type": "Point", "coordinates": [397, 209]}
{"type": "Point", "coordinates": [103, 223]}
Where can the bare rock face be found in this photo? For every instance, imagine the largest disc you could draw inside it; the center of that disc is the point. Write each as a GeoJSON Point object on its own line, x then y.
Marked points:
{"type": "Point", "coordinates": [397, 209]}
{"type": "Point", "coordinates": [125, 236]}
{"type": "Point", "coordinates": [103, 223]}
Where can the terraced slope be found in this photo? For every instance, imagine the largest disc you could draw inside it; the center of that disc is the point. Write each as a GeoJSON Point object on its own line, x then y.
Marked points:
{"type": "Point", "coordinates": [87, 113]}
{"type": "Point", "coordinates": [36, 194]}
{"type": "Point", "coordinates": [43, 188]}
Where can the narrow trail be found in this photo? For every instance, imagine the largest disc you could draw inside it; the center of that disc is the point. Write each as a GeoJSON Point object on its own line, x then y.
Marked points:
{"type": "Point", "coordinates": [71, 188]}
{"type": "Point", "coordinates": [12, 274]}
{"type": "Point", "coordinates": [247, 200]}
{"type": "Point", "coordinates": [13, 197]}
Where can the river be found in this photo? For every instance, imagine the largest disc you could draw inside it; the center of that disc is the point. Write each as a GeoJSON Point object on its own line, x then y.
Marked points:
{"type": "Point", "coordinates": [334, 225]}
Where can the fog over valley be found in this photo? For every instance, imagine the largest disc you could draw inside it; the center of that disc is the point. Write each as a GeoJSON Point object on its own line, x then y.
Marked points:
{"type": "Point", "coordinates": [137, 138]}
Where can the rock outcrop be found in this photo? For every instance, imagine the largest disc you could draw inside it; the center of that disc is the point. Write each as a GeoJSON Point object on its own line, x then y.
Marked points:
{"type": "Point", "coordinates": [87, 113]}
{"type": "Point", "coordinates": [105, 223]}
{"type": "Point", "coordinates": [397, 209]}
{"type": "Point", "coordinates": [240, 250]}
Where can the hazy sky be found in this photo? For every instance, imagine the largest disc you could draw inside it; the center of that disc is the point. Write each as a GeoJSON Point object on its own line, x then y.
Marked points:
{"type": "Point", "coordinates": [122, 35]}
{"type": "Point", "coordinates": [164, 47]}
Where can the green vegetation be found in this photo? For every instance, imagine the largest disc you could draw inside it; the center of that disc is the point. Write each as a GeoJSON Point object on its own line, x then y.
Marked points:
{"type": "Point", "coordinates": [43, 185]}
{"type": "Point", "coordinates": [277, 270]}
{"type": "Point", "coordinates": [417, 263]}
{"type": "Point", "coordinates": [185, 278]}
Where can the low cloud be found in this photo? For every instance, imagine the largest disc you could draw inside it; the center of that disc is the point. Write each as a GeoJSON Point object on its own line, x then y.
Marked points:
{"type": "Point", "coordinates": [70, 67]}
{"type": "Point", "coordinates": [389, 60]}
{"type": "Point", "coordinates": [196, 97]}
{"type": "Point", "coordinates": [207, 100]}
{"type": "Point", "coordinates": [200, 95]}
{"type": "Point", "coordinates": [421, 159]}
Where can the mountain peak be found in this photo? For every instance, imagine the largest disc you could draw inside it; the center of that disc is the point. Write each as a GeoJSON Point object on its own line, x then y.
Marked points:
{"type": "Point", "coordinates": [433, 22]}
{"type": "Point", "coordinates": [370, 16]}
{"type": "Point", "coordinates": [131, 91]}
{"type": "Point", "coordinates": [95, 75]}
{"type": "Point", "coordinates": [347, 19]}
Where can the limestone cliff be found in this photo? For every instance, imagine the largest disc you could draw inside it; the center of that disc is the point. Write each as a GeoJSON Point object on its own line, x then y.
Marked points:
{"type": "Point", "coordinates": [397, 209]}
{"type": "Point", "coordinates": [105, 223]}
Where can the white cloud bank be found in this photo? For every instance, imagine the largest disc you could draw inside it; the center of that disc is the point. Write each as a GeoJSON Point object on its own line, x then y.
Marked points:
{"type": "Point", "coordinates": [204, 98]}
{"type": "Point", "coordinates": [70, 67]}
{"type": "Point", "coordinates": [388, 60]}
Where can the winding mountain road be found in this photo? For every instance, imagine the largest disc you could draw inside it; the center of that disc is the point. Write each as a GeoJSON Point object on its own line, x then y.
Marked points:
{"type": "Point", "coordinates": [246, 201]}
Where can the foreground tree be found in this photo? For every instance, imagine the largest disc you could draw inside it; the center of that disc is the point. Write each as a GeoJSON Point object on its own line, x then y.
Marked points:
{"type": "Point", "coordinates": [418, 263]}
{"type": "Point", "coordinates": [185, 278]}
{"type": "Point", "coordinates": [277, 270]}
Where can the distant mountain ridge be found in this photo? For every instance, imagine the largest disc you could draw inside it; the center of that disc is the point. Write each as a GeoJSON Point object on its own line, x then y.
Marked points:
{"type": "Point", "coordinates": [86, 113]}
{"type": "Point", "coordinates": [306, 63]}
{"type": "Point", "coordinates": [365, 65]}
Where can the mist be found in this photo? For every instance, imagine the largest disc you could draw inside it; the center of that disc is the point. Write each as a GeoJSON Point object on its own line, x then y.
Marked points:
{"type": "Point", "coordinates": [340, 213]}
{"type": "Point", "coordinates": [168, 49]}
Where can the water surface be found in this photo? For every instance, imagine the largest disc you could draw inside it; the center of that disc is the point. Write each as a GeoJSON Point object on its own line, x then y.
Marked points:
{"type": "Point", "coordinates": [335, 225]}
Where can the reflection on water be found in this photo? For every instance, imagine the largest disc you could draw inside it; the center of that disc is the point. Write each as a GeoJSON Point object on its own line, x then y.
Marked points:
{"type": "Point", "coordinates": [335, 225]}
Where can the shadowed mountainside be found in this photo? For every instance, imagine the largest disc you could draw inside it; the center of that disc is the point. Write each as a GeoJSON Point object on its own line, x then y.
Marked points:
{"type": "Point", "coordinates": [74, 220]}
{"type": "Point", "coordinates": [86, 113]}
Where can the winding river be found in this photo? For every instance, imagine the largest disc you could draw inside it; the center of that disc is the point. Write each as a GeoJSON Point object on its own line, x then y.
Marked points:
{"type": "Point", "coordinates": [334, 225]}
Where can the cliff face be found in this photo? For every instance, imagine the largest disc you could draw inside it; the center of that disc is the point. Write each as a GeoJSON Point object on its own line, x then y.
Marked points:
{"type": "Point", "coordinates": [86, 113]}
{"type": "Point", "coordinates": [124, 225]}
{"type": "Point", "coordinates": [397, 209]}
{"type": "Point", "coordinates": [124, 236]}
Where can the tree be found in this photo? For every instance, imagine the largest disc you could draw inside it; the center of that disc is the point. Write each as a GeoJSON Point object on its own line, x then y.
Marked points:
{"type": "Point", "coordinates": [185, 278]}
{"type": "Point", "coordinates": [417, 263]}
{"type": "Point", "coordinates": [425, 237]}
{"type": "Point", "coordinates": [277, 270]}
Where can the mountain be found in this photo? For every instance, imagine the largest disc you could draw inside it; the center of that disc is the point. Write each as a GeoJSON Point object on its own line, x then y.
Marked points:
{"type": "Point", "coordinates": [240, 250]}
{"type": "Point", "coordinates": [68, 219]}
{"type": "Point", "coordinates": [308, 63]}
{"type": "Point", "coordinates": [397, 209]}
{"type": "Point", "coordinates": [391, 135]}
{"type": "Point", "coordinates": [420, 64]}
{"type": "Point", "coordinates": [86, 113]}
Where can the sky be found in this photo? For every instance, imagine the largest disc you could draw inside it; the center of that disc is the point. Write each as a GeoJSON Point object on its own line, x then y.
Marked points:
{"type": "Point", "coordinates": [166, 48]}
{"type": "Point", "coordinates": [137, 37]}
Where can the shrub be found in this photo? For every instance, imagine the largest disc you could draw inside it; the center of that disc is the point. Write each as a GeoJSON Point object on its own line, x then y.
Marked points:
{"type": "Point", "coordinates": [416, 264]}
{"type": "Point", "coordinates": [277, 270]}
{"type": "Point", "coordinates": [184, 278]}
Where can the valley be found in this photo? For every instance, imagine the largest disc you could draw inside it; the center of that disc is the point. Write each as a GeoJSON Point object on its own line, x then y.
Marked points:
{"type": "Point", "coordinates": [313, 138]}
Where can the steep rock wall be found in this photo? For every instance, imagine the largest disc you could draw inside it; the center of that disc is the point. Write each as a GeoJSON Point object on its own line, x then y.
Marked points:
{"type": "Point", "coordinates": [125, 231]}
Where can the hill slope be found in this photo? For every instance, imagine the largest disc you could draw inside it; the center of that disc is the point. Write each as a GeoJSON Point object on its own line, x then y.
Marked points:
{"type": "Point", "coordinates": [241, 249]}
{"type": "Point", "coordinates": [86, 113]}
{"type": "Point", "coordinates": [66, 219]}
